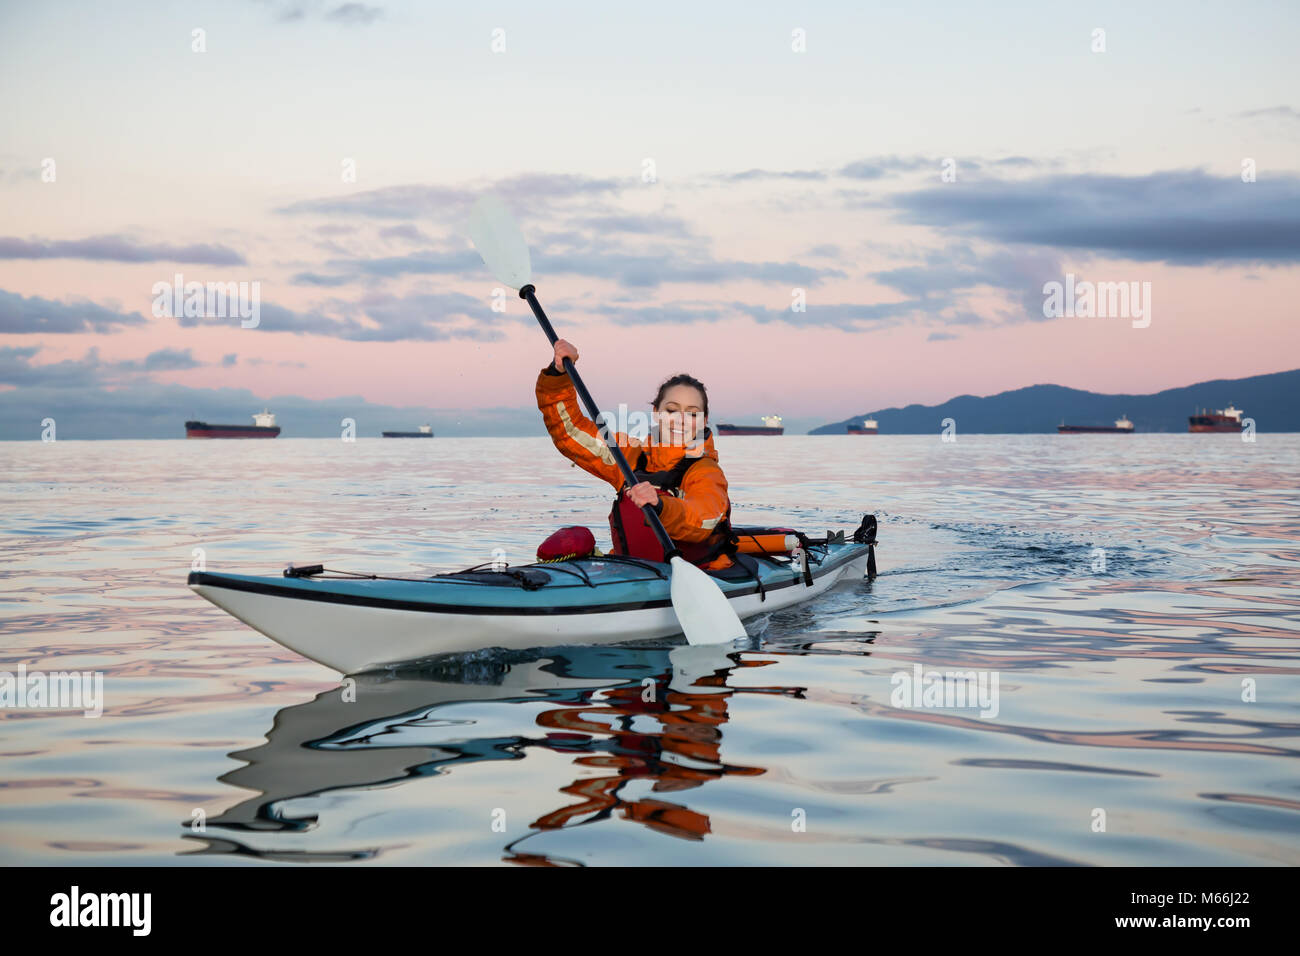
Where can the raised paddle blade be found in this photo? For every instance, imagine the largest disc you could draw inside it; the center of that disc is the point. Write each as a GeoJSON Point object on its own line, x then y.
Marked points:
{"type": "Point", "coordinates": [703, 611]}
{"type": "Point", "coordinates": [497, 238]}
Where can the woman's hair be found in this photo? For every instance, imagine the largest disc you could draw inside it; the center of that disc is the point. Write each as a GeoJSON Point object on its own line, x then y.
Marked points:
{"type": "Point", "coordinates": [683, 379]}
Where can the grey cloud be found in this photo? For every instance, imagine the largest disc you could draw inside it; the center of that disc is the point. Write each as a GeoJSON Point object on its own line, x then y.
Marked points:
{"type": "Point", "coordinates": [117, 249]}
{"type": "Point", "coordinates": [405, 231]}
{"type": "Point", "coordinates": [1272, 112]}
{"type": "Point", "coordinates": [16, 368]}
{"type": "Point", "coordinates": [652, 271]}
{"type": "Point", "coordinates": [1019, 272]}
{"type": "Point", "coordinates": [528, 195]}
{"type": "Point", "coordinates": [168, 360]}
{"type": "Point", "coordinates": [853, 317]}
{"type": "Point", "coordinates": [22, 315]}
{"type": "Point", "coordinates": [826, 250]}
{"type": "Point", "coordinates": [637, 225]}
{"type": "Point", "coordinates": [359, 13]}
{"type": "Point", "coordinates": [428, 317]}
{"type": "Point", "coordinates": [460, 262]}
{"type": "Point", "coordinates": [298, 11]}
{"type": "Point", "coordinates": [315, 278]}
{"type": "Point", "coordinates": [880, 166]}
{"type": "Point", "coordinates": [1187, 218]}
{"type": "Point", "coordinates": [751, 175]}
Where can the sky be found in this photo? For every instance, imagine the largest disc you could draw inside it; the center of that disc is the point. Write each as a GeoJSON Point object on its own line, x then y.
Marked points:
{"type": "Point", "coordinates": [913, 174]}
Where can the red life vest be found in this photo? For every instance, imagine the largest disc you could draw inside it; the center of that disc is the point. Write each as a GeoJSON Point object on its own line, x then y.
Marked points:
{"type": "Point", "coordinates": [633, 536]}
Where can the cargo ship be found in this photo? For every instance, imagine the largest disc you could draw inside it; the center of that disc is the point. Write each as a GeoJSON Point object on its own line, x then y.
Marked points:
{"type": "Point", "coordinates": [771, 426]}
{"type": "Point", "coordinates": [426, 431]}
{"type": "Point", "coordinates": [1122, 426]}
{"type": "Point", "coordinates": [1222, 420]}
{"type": "Point", "coordinates": [869, 426]}
{"type": "Point", "coordinates": [263, 426]}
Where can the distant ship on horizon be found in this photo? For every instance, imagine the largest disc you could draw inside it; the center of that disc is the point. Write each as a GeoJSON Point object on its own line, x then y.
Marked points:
{"type": "Point", "coordinates": [426, 431]}
{"type": "Point", "coordinates": [869, 426]}
{"type": "Point", "coordinates": [1122, 426]}
{"type": "Point", "coordinates": [263, 426]}
{"type": "Point", "coordinates": [771, 426]}
{"type": "Point", "coordinates": [1221, 420]}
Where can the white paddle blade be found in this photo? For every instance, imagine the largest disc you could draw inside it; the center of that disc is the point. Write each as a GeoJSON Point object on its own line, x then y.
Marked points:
{"type": "Point", "coordinates": [703, 611]}
{"type": "Point", "coordinates": [497, 238]}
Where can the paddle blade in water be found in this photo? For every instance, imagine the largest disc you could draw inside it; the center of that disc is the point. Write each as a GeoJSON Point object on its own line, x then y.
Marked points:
{"type": "Point", "coordinates": [497, 238]}
{"type": "Point", "coordinates": [703, 611]}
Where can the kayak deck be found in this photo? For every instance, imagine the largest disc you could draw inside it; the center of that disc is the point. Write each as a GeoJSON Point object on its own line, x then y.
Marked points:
{"type": "Point", "coordinates": [353, 622]}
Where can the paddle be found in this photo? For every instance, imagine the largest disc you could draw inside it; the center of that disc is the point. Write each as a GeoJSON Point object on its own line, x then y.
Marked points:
{"type": "Point", "coordinates": [703, 611]}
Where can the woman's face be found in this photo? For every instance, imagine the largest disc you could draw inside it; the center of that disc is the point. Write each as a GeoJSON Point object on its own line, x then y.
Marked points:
{"type": "Point", "coordinates": [680, 415]}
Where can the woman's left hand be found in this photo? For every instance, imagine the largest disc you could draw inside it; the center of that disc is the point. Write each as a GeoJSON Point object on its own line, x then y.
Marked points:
{"type": "Point", "coordinates": [643, 494]}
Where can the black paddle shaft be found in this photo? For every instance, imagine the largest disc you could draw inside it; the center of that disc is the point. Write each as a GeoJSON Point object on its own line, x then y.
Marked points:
{"type": "Point", "coordinates": [527, 293]}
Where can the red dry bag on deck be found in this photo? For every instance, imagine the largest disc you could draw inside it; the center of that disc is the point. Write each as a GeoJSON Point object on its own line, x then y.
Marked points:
{"type": "Point", "coordinates": [574, 541]}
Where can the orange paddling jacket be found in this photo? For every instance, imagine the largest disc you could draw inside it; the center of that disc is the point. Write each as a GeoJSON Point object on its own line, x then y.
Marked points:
{"type": "Point", "coordinates": [696, 513]}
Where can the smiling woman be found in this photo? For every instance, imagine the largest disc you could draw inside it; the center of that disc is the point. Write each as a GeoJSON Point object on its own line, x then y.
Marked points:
{"type": "Point", "coordinates": [676, 466]}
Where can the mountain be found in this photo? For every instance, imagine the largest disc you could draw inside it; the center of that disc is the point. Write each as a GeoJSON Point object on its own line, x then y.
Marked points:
{"type": "Point", "coordinates": [1272, 400]}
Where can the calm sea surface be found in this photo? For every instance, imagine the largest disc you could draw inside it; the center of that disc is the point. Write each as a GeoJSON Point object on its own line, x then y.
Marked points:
{"type": "Point", "coordinates": [1135, 597]}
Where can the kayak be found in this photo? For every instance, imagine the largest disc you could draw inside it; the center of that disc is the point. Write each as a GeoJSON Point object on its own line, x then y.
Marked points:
{"type": "Point", "coordinates": [358, 622]}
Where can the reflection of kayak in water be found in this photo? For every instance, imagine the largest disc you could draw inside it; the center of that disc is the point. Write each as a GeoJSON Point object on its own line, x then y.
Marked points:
{"type": "Point", "coordinates": [359, 622]}
{"type": "Point", "coordinates": [389, 729]}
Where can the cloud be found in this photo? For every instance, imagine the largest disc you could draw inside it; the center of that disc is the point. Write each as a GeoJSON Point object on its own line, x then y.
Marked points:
{"type": "Point", "coordinates": [117, 249]}
{"type": "Point", "coordinates": [457, 262]}
{"type": "Point", "coordinates": [166, 360]}
{"type": "Point", "coordinates": [879, 167]}
{"type": "Point", "coordinates": [651, 271]}
{"type": "Point", "coordinates": [630, 224]}
{"type": "Point", "coordinates": [531, 196]}
{"type": "Point", "coordinates": [1185, 218]}
{"type": "Point", "coordinates": [20, 174]}
{"type": "Point", "coordinates": [827, 250]}
{"type": "Point", "coordinates": [348, 14]}
{"type": "Point", "coordinates": [17, 368]}
{"type": "Point", "coordinates": [405, 231]}
{"type": "Point", "coordinates": [958, 269]}
{"type": "Point", "coordinates": [940, 337]}
{"type": "Point", "coordinates": [576, 254]}
{"type": "Point", "coordinates": [752, 175]}
{"type": "Point", "coordinates": [1288, 113]}
{"type": "Point", "coordinates": [315, 278]}
{"type": "Point", "coordinates": [380, 317]}
{"type": "Point", "coordinates": [848, 316]}
{"type": "Point", "coordinates": [650, 314]}
{"type": "Point", "coordinates": [355, 13]}
{"type": "Point", "coordinates": [335, 229]}
{"type": "Point", "coordinates": [21, 315]}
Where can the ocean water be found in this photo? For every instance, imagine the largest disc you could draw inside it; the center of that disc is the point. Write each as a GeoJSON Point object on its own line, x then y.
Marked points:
{"type": "Point", "coordinates": [1134, 597]}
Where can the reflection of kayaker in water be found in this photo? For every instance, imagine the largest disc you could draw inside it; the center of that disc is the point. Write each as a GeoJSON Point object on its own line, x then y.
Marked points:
{"type": "Point", "coordinates": [679, 470]}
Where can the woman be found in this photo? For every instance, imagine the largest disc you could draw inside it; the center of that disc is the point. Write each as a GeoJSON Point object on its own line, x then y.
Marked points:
{"type": "Point", "coordinates": [677, 470]}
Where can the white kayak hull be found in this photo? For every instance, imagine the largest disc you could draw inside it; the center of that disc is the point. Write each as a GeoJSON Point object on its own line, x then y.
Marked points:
{"type": "Point", "coordinates": [352, 638]}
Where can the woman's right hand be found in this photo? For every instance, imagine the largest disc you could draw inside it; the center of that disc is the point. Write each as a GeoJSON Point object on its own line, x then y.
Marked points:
{"type": "Point", "coordinates": [564, 349]}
